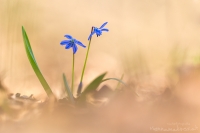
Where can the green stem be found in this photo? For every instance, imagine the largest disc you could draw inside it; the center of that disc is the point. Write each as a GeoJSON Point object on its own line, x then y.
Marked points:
{"type": "Point", "coordinates": [83, 71]}
{"type": "Point", "coordinates": [72, 87]}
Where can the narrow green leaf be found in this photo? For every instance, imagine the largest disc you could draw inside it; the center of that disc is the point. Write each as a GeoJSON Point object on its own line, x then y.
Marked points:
{"type": "Point", "coordinates": [33, 63]}
{"type": "Point", "coordinates": [118, 84]}
{"type": "Point", "coordinates": [92, 86]}
{"type": "Point", "coordinates": [120, 81]}
{"type": "Point", "coordinates": [70, 95]}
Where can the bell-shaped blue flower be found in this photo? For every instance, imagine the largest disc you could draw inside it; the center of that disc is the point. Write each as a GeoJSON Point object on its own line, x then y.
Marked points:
{"type": "Point", "coordinates": [98, 31]}
{"type": "Point", "coordinates": [71, 43]}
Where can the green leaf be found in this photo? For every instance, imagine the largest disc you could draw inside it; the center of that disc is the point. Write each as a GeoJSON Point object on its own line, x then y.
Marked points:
{"type": "Point", "coordinates": [120, 81]}
{"type": "Point", "coordinates": [70, 95]}
{"type": "Point", "coordinates": [33, 63]}
{"type": "Point", "coordinates": [92, 86]}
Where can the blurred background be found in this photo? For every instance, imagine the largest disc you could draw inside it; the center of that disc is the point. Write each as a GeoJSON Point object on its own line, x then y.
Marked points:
{"type": "Point", "coordinates": [142, 32]}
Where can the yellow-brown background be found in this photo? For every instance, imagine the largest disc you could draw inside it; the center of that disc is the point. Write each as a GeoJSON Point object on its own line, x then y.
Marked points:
{"type": "Point", "coordinates": [151, 26]}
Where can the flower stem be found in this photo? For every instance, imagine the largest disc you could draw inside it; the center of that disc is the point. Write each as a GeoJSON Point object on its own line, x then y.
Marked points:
{"type": "Point", "coordinates": [72, 87]}
{"type": "Point", "coordinates": [83, 71]}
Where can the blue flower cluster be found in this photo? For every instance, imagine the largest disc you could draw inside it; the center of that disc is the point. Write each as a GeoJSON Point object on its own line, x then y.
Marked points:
{"type": "Point", "coordinates": [71, 43]}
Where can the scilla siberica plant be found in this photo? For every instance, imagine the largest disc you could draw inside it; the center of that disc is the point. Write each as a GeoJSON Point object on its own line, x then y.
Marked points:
{"type": "Point", "coordinates": [70, 43]}
{"type": "Point", "coordinates": [98, 32]}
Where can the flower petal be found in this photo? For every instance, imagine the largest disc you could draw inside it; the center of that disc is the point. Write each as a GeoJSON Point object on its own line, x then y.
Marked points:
{"type": "Point", "coordinates": [68, 46]}
{"type": "Point", "coordinates": [91, 35]}
{"type": "Point", "coordinates": [80, 43]}
{"type": "Point", "coordinates": [103, 25]}
{"type": "Point", "coordinates": [75, 48]}
{"type": "Point", "coordinates": [68, 37]}
{"type": "Point", "coordinates": [64, 42]}
{"type": "Point", "coordinates": [104, 30]}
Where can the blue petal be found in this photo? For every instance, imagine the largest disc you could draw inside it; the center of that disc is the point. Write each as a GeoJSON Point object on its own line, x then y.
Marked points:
{"type": "Point", "coordinates": [80, 43]}
{"type": "Point", "coordinates": [103, 25]}
{"type": "Point", "coordinates": [91, 35]}
{"type": "Point", "coordinates": [68, 37]}
{"type": "Point", "coordinates": [68, 46]}
{"type": "Point", "coordinates": [104, 30]}
{"type": "Point", "coordinates": [98, 32]}
{"type": "Point", "coordinates": [64, 42]}
{"type": "Point", "coordinates": [75, 48]}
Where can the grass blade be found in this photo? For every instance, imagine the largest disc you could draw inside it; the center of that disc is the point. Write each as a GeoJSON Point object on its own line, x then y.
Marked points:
{"type": "Point", "coordinates": [33, 63]}
{"type": "Point", "coordinates": [70, 95]}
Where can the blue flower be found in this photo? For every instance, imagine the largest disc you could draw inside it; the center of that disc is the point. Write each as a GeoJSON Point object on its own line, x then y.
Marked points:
{"type": "Point", "coordinates": [71, 43]}
{"type": "Point", "coordinates": [98, 31]}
